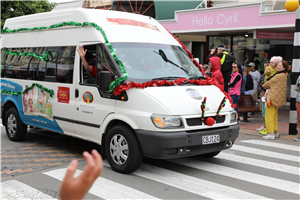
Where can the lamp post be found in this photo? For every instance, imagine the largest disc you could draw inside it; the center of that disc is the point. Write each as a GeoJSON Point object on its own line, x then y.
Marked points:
{"type": "Point", "coordinates": [291, 6]}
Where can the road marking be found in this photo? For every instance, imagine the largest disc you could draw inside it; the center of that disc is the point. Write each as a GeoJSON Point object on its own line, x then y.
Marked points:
{"type": "Point", "coordinates": [13, 189]}
{"type": "Point", "coordinates": [266, 153]}
{"type": "Point", "coordinates": [279, 184]}
{"type": "Point", "coordinates": [273, 144]}
{"type": "Point", "coordinates": [192, 184]}
{"type": "Point", "coordinates": [259, 163]}
{"type": "Point", "coordinates": [104, 188]}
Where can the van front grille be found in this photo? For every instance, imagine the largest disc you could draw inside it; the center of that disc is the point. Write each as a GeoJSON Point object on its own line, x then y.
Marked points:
{"type": "Point", "coordinates": [197, 121]}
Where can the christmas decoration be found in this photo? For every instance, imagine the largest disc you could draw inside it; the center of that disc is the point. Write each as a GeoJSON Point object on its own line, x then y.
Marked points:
{"type": "Point", "coordinates": [203, 110]}
{"type": "Point", "coordinates": [43, 58]}
{"type": "Point", "coordinates": [221, 106]}
{"type": "Point", "coordinates": [51, 92]}
{"type": "Point", "coordinates": [210, 121]}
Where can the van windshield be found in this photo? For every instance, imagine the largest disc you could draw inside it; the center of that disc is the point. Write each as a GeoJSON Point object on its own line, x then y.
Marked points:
{"type": "Point", "coordinates": [145, 62]}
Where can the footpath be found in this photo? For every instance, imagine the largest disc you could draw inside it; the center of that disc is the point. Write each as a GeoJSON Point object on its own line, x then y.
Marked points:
{"type": "Point", "coordinates": [256, 121]}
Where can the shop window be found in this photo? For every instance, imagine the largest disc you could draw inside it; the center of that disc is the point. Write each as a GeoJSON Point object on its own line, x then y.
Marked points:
{"type": "Point", "coordinates": [214, 41]}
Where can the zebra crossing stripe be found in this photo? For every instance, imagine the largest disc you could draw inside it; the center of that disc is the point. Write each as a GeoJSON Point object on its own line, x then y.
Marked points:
{"type": "Point", "coordinates": [279, 184]}
{"type": "Point", "coordinates": [272, 144]}
{"type": "Point", "coordinates": [13, 189]}
{"type": "Point", "coordinates": [104, 188]}
{"type": "Point", "coordinates": [265, 153]}
{"type": "Point", "coordinates": [193, 185]}
{"type": "Point", "coordinates": [259, 163]}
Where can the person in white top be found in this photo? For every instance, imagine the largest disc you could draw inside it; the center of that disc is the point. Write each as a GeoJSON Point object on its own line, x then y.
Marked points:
{"type": "Point", "coordinates": [256, 77]}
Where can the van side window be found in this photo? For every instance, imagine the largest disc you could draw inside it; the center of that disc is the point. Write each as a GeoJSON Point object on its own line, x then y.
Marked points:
{"type": "Point", "coordinates": [89, 77]}
{"type": "Point", "coordinates": [10, 70]}
{"type": "Point", "coordinates": [31, 73]}
{"type": "Point", "coordinates": [65, 64]}
{"type": "Point", "coordinates": [51, 66]}
{"type": "Point", "coordinates": [39, 64]}
{"type": "Point", "coordinates": [103, 63]}
{"type": "Point", "coordinates": [3, 63]}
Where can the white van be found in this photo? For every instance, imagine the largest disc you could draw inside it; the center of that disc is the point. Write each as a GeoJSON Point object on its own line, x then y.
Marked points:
{"type": "Point", "coordinates": [45, 85]}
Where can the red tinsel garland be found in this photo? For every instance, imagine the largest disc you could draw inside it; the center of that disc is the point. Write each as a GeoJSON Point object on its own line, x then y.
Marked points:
{"type": "Point", "coordinates": [208, 81]}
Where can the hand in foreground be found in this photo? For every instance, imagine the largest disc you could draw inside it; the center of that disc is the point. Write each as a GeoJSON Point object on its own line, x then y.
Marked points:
{"type": "Point", "coordinates": [76, 188]}
{"type": "Point", "coordinates": [81, 51]}
{"type": "Point", "coordinates": [212, 51]}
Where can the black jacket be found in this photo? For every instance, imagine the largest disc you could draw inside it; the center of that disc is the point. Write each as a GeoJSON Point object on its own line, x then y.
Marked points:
{"type": "Point", "coordinates": [249, 83]}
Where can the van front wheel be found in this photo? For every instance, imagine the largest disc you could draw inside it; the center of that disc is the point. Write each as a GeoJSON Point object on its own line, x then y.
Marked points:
{"type": "Point", "coordinates": [122, 149]}
{"type": "Point", "coordinates": [15, 129]}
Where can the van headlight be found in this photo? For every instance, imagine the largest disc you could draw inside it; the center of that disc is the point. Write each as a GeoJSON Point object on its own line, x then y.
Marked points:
{"type": "Point", "coordinates": [232, 116]}
{"type": "Point", "coordinates": [167, 122]}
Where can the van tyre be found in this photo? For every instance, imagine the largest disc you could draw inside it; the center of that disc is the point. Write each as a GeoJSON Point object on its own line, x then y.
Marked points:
{"type": "Point", "coordinates": [15, 129]}
{"type": "Point", "coordinates": [210, 155]}
{"type": "Point", "coordinates": [123, 150]}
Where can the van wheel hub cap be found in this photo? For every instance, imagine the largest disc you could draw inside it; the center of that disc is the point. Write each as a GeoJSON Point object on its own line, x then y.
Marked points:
{"type": "Point", "coordinates": [119, 149]}
{"type": "Point", "coordinates": [11, 125]}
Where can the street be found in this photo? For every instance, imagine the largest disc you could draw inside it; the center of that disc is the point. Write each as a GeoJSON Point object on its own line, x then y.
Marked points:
{"type": "Point", "coordinates": [251, 169]}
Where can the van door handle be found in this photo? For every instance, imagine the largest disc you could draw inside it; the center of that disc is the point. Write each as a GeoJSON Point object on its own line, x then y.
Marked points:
{"type": "Point", "coordinates": [76, 93]}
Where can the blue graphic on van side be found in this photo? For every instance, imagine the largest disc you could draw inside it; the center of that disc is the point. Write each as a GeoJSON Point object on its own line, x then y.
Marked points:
{"type": "Point", "coordinates": [34, 107]}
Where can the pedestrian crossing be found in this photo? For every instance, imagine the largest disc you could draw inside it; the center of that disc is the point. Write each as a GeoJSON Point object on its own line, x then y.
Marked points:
{"type": "Point", "coordinates": [238, 173]}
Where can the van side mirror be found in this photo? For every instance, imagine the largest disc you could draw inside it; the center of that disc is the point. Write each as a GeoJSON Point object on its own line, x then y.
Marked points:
{"type": "Point", "coordinates": [105, 80]}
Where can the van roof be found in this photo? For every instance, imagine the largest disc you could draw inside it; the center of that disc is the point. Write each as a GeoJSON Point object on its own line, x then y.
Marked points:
{"type": "Point", "coordinates": [118, 26]}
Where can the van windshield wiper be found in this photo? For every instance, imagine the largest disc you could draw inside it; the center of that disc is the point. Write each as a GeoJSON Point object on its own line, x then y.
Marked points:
{"type": "Point", "coordinates": [197, 77]}
{"type": "Point", "coordinates": [164, 57]}
{"type": "Point", "coordinates": [167, 78]}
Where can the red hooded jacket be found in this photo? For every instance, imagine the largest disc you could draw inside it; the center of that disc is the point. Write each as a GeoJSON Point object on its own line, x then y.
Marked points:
{"type": "Point", "coordinates": [216, 71]}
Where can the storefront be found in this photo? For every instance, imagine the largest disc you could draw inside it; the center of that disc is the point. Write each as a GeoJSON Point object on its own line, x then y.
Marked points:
{"type": "Point", "coordinates": [247, 30]}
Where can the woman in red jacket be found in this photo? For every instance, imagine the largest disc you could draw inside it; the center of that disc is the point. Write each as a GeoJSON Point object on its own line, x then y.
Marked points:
{"type": "Point", "coordinates": [215, 65]}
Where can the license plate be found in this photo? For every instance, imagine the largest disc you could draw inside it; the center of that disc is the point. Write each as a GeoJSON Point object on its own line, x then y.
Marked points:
{"type": "Point", "coordinates": [210, 139]}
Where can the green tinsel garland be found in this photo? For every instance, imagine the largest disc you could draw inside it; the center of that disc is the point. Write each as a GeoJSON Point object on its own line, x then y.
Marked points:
{"type": "Point", "coordinates": [51, 92]}
{"type": "Point", "coordinates": [43, 58]}
{"type": "Point", "coordinates": [113, 84]}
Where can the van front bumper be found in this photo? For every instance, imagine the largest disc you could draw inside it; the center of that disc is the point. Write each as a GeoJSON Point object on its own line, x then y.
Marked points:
{"type": "Point", "coordinates": [167, 145]}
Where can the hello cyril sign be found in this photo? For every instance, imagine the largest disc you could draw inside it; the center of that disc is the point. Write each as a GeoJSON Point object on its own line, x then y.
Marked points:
{"type": "Point", "coordinates": [222, 19]}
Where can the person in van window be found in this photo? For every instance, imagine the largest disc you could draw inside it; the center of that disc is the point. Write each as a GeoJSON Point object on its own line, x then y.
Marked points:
{"type": "Point", "coordinates": [84, 55]}
{"type": "Point", "coordinates": [90, 65]}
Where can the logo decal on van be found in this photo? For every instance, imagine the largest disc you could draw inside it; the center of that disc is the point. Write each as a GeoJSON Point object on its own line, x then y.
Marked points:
{"type": "Point", "coordinates": [130, 22]}
{"type": "Point", "coordinates": [194, 94]}
{"type": "Point", "coordinates": [88, 97]}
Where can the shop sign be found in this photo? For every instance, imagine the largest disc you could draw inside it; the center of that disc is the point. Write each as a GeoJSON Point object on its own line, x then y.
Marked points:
{"type": "Point", "coordinates": [227, 19]}
{"type": "Point", "coordinates": [274, 35]}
